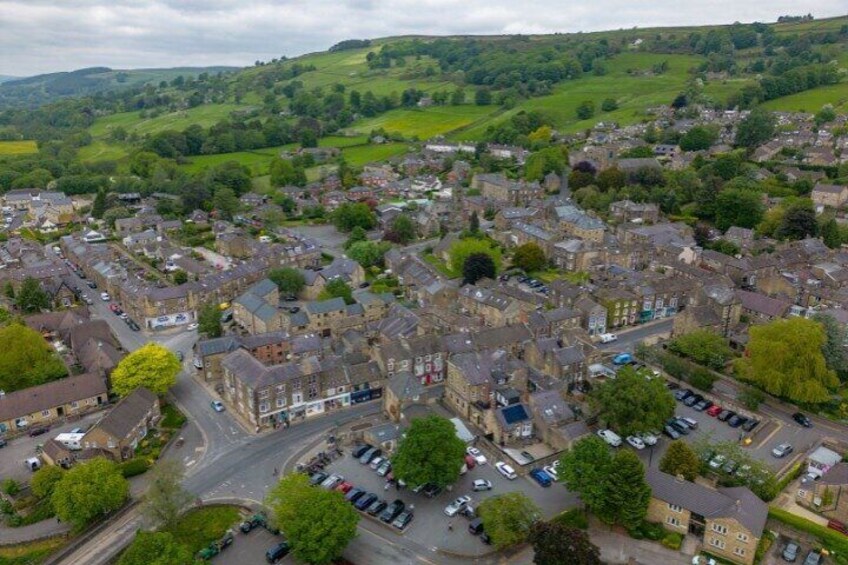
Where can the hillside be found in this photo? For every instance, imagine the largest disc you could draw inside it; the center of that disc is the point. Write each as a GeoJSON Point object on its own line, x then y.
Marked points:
{"type": "Point", "coordinates": [43, 89]}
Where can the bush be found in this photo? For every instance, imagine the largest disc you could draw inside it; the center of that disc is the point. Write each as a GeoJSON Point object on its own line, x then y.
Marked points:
{"type": "Point", "coordinates": [672, 540]}
{"type": "Point", "coordinates": [575, 518]}
{"type": "Point", "coordinates": [764, 545]}
{"type": "Point", "coordinates": [172, 418]}
{"type": "Point", "coordinates": [134, 467]}
{"type": "Point", "coordinates": [10, 486]}
{"type": "Point", "coordinates": [648, 530]}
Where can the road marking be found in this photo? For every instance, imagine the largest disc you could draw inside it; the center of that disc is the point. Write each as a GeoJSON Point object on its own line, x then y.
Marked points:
{"type": "Point", "coordinates": [190, 463]}
{"type": "Point", "coordinates": [198, 449]}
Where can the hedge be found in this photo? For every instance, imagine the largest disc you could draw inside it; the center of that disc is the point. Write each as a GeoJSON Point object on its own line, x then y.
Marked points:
{"type": "Point", "coordinates": [832, 540]}
{"type": "Point", "coordinates": [673, 540]}
{"type": "Point", "coordinates": [134, 467]}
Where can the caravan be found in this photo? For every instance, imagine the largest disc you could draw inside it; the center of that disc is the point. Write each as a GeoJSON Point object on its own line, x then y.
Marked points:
{"type": "Point", "coordinates": [72, 441]}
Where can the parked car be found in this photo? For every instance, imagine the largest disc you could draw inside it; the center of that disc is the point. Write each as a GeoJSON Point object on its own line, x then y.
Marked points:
{"type": "Point", "coordinates": [253, 522]}
{"type": "Point", "coordinates": [541, 477]}
{"type": "Point", "coordinates": [782, 450]}
{"type": "Point", "coordinates": [403, 520]}
{"type": "Point", "coordinates": [750, 425]}
{"type": "Point", "coordinates": [376, 507]}
{"type": "Point", "coordinates": [729, 467]}
{"type": "Point", "coordinates": [716, 462]}
{"type": "Point", "coordinates": [192, 326]}
{"type": "Point", "coordinates": [354, 494]}
{"type": "Point", "coordinates": [376, 462]}
{"type": "Point", "coordinates": [671, 432]}
{"type": "Point", "coordinates": [691, 422]}
{"type": "Point", "coordinates": [703, 405]}
{"type": "Point", "coordinates": [458, 504]}
{"type": "Point", "coordinates": [682, 394]}
{"type": "Point", "coordinates": [608, 338]}
{"type": "Point", "coordinates": [475, 526]}
{"type": "Point", "coordinates": [384, 468]}
{"type": "Point", "coordinates": [104, 296]}
{"type": "Point", "coordinates": [180, 355]}
{"type": "Point", "coordinates": [681, 428]}
{"type": "Point", "coordinates": [814, 557]}
{"type": "Point", "coordinates": [648, 438]}
{"type": "Point", "coordinates": [133, 326]}
{"type": "Point", "coordinates": [803, 420]}
{"type": "Point", "coordinates": [344, 487]}
{"type": "Point", "coordinates": [365, 501]}
{"type": "Point", "coordinates": [790, 551]}
{"type": "Point", "coordinates": [277, 552]}
{"type": "Point", "coordinates": [481, 485]}
{"type": "Point", "coordinates": [359, 450]}
{"type": "Point", "coordinates": [317, 478]}
{"type": "Point", "coordinates": [3, 442]}
{"type": "Point", "coordinates": [551, 471]}
{"type": "Point", "coordinates": [622, 359]}
{"type": "Point", "coordinates": [38, 431]}
{"type": "Point", "coordinates": [635, 442]}
{"type": "Point", "coordinates": [332, 481]}
{"type": "Point", "coordinates": [737, 421]}
{"type": "Point", "coordinates": [431, 490]}
{"type": "Point", "coordinates": [370, 454]}
{"type": "Point", "coordinates": [714, 410]}
{"type": "Point", "coordinates": [610, 437]}
{"type": "Point", "coordinates": [218, 406]}
{"type": "Point", "coordinates": [391, 511]}
{"type": "Point", "coordinates": [693, 400]}
{"type": "Point", "coordinates": [477, 455]}
{"type": "Point", "coordinates": [505, 470]}
{"type": "Point", "coordinates": [726, 414]}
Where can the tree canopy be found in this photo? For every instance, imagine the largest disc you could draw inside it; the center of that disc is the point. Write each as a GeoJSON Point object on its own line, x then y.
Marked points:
{"type": "Point", "coordinates": [166, 499]}
{"type": "Point", "coordinates": [152, 366]}
{"type": "Point", "coordinates": [478, 266]}
{"type": "Point", "coordinates": [337, 288]}
{"type": "Point", "coordinates": [368, 253]}
{"type": "Point", "coordinates": [289, 280]}
{"type": "Point", "coordinates": [508, 518]}
{"type": "Point", "coordinates": [704, 347]}
{"type": "Point", "coordinates": [529, 257]}
{"type": "Point", "coordinates": [209, 320]}
{"type": "Point", "coordinates": [756, 129]}
{"type": "Point", "coordinates": [26, 359]}
{"type": "Point", "coordinates": [44, 481]}
{"type": "Point", "coordinates": [430, 452]}
{"type": "Point", "coordinates": [350, 215]}
{"type": "Point", "coordinates": [401, 230]}
{"type": "Point", "coordinates": [460, 250]}
{"type": "Point", "coordinates": [633, 402]}
{"type": "Point", "coordinates": [155, 548]}
{"type": "Point", "coordinates": [318, 523]}
{"type": "Point", "coordinates": [31, 297]}
{"type": "Point", "coordinates": [556, 544]}
{"type": "Point", "coordinates": [89, 490]}
{"type": "Point", "coordinates": [785, 358]}
{"type": "Point", "coordinates": [835, 354]}
{"type": "Point", "coordinates": [680, 459]}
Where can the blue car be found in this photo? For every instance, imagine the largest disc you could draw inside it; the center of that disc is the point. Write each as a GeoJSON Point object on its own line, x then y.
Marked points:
{"type": "Point", "coordinates": [622, 359]}
{"type": "Point", "coordinates": [541, 477]}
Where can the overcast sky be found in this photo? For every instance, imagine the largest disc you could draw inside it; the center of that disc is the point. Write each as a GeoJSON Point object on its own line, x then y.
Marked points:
{"type": "Point", "coordinates": [39, 36]}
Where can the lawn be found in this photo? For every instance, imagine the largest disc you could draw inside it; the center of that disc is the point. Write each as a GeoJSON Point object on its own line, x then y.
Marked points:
{"type": "Point", "coordinates": [813, 100]}
{"type": "Point", "coordinates": [199, 527]}
{"type": "Point", "coordinates": [425, 123]}
{"type": "Point", "coordinates": [18, 147]}
{"type": "Point", "coordinates": [31, 553]}
{"type": "Point", "coordinates": [205, 115]}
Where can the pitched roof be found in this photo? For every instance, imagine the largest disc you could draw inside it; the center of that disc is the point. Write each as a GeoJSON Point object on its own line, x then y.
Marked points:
{"type": "Point", "coordinates": [49, 395]}
{"type": "Point", "coordinates": [126, 415]}
{"type": "Point", "coordinates": [762, 304]}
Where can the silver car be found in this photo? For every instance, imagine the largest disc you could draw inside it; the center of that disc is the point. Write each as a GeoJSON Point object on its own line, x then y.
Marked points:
{"type": "Point", "coordinates": [454, 507]}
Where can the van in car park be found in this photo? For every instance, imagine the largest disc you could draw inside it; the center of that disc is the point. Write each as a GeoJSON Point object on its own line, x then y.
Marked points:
{"type": "Point", "coordinates": [610, 437]}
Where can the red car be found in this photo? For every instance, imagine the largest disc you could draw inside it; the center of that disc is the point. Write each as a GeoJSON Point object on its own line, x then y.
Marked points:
{"type": "Point", "coordinates": [714, 410]}
{"type": "Point", "coordinates": [113, 307]}
{"type": "Point", "coordinates": [344, 487]}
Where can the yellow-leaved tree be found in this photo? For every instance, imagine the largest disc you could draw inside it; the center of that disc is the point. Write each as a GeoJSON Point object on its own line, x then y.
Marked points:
{"type": "Point", "coordinates": [151, 366]}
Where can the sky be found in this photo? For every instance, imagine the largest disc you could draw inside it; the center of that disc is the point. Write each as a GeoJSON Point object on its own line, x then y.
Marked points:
{"type": "Point", "coordinates": [39, 36]}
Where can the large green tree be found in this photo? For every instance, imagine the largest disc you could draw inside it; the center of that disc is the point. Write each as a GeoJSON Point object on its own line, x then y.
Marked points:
{"type": "Point", "coordinates": [529, 257]}
{"type": "Point", "coordinates": [704, 347]}
{"type": "Point", "coordinates": [26, 359]}
{"type": "Point", "coordinates": [627, 492]}
{"type": "Point", "coordinates": [680, 459]}
{"type": "Point", "coordinates": [584, 470]}
{"type": "Point", "coordinates": [698, 138]}
{"type": "Point", "coordinates": [155, 548]}
{"type": "Point", "coordinates": [152, 366]}
{"type": "Point", "coordinates": [632, 402]}
{"type": "Point", "coordinates": [337, 288]}
{"type": "Point", "coordinates": [44, 481]}
{"type": "Point", "coordinates": [350, 215]}
{"type": "Point", "coordinates": [478, 266]}
{"type": "Point", "coordinates": [738, 207]}
{"type": "Point", "coordinates": [545, 161]}
{"type": "Point", "coordinates": [166, 499]}
{"type": "Point", "coordinates": [508, 518]}
{"type": "Point", "coordinates": [756, 129]}
{"type": "Point", "coordinates": [288, 279]}
{"type": "Point", "coordinates": [430, 452]}
{"type": "Point", "coordinates": [785, 358]}
{"type": "Point", "coordinates": [402, 230]}
{"type": "Point", "coordinates": [368, 253]}
{"type": "Point", "coordinates": [834, 351]}
{"type": "Point", "coordinates": [89, 490]}
{"type": "Point", "coordinates": [31, 297]}
{"type": "Point", "coordinates": [209, 320]}
{"type": "Point", "coordinates": [318, 523]}
{"type": "Point", "coordinates": [557, 544]}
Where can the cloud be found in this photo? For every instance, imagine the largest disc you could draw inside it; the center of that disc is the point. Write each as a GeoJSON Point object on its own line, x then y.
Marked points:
{"type": "Point", "coordinates": [39, 36]}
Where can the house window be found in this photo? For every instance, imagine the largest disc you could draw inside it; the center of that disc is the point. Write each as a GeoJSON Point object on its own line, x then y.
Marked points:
{"type": "Point", "coordinates": [742, 537]}
{"type": "Point", "coordinates": [297, 397]}
{"type": "Point", "coordinates": [672, 521]}
{"type": "Point", "coordinates": [281, 401]}
{"type": "Point", "coordinates": [280, 389]}
{"type": "Point", "coordinates": [74, 404]}
{"type": "Point", "coordinates": [716, 542]}
{"type": "Point", "coordinates": [263, 393]}
{"type": "Point", "coordinates": [264, 407]}
{"type": "Point", "coordinates": [675, 508]}
{"type": "Point", "coordinates": [739, 551]}
{"type": "Point", "coordinates": [719, 529]}
{"type": "Point", "coordinates": [45, 413]}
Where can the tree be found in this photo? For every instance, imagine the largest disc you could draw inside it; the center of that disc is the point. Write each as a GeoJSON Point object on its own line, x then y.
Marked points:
{"type": "Point", "coordinates": [284, 173]}
{"type": "Point", "coordinates": [474, 223]}
{"type": "Point", "coordinates": [680, 459]}
{"type": "Point", "coordinates": [430, 452]}
{"type": "Point", "coordinates": [155, 548]}
{"type": "Point", "coordinates": [478, 266]}
{"type": "Point", "coordinates": [89, 490]}
{"type": "Point", "coordinates": [555, 543]}
{"type": "Point", "coordinates": [609, 105]}
{"type": "Point", "coordinates": [318, 523]}
{"type": "Point", "coordinates": [830, 234]}
{"type": "Point", "coordinates": [180, 277]}
{"type": "Point", "coordinates": [26, 358]}
{"type": "Point", "coordinates": [529, 257]}
{"type": "Point", "coordinates": [31, 297]}
{"type": "Point", "coordinates": [633, 403]}
{"type": "Point", "coordinates": [460, 250]}
{"type": "Point", "coordinates": [44, 481]}
{"type": "Point", "coordinates": [544, 161]}
{"type": "Point", "coordinates": [835, 354]}
{"type": "Point", "coordinates": [628, 493]}
{"type": "Point", "coordinates": [756, 129]}
{"type": "Point", "coordinates": [704, 347]}
{"type": "Point", "coordinates": [508, 518]}
{"type": "Point", "coordinates": [289, 280]}
{"type": "Point", "coordinates": [209, 320]}
{"type": "Point", "coordinates": [350, 215]}
{"type": "Point", "coordinates": [166, 499]}
{"type": "Point", "coordinates": [9, 290]}
{"type": "Point", "coordinates": [116, 213]}
{"type": "Point", "coordinates": [368, 253]}
{"type": "Point", "coordinates": [785, 358]}
{"type": "Point", "coordinates": [225, 202]}
{"type": "Point", "coordinates": [798, 222]}
{"type": "Point", "coordinates": [337, 288]}
{"type": "Point", "coordinates": [152, 366]}
{"type": "Point", "coordinates": [401, 230]}
{"type": "Point", "coordinates": [357, 234]}
{"type": "Point", "coordinates": [99, 205]}
{"type": "Point", "coordinates": [584, 470]}
{"type": "Point", "coordinates": [585, 110]}
{"type": "Point", "coordinates": [699, 138]}
{"type": "Point", "coordinates": [611, 178]}
{"type": "Point", "coordinates": [483, 97]}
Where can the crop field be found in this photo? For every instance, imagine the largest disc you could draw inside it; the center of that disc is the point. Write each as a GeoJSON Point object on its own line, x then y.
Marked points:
{"type": "Point", "coordinates": [18, 147]}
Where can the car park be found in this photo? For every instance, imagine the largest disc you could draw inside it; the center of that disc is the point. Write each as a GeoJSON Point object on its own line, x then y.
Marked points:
{"type": "Point", "coordinates": [541, 477]}
{"type": "Point", "coordinates": [218, 406]}
{"type": "Point", "coordinates": [782, 450]}
{"type": "Point", "coordinates": [802, 419]}
{"type": "Point", "coordinates": [458, 504]}
{"type": "Point", "coordinates": [403, 519]}
{"type": "Point", "coordinates": [317, 478]}
{"type": "Point", "coordinates": [737, 421]}
{"type": "Point", "coordinates": [671, 432]}
{"type": "Point", "coordinates": [376, 507]}
{"type": "Point", "coordinates": [790, 551]}
{"type": "Point", "coordinates": [814, 557]}
{"type": "Point", "coordinates": [391, 511]}
{"type": "Point", "coordinates": [477, 455]}
{"type": "Point", "coordinates": [277, 552]}
{"type": "Point", "coordinates": [635, 442]}
{"type": "Point", "coordinates": [714, 410]}
{"type": "Point", "coordinates": [365, 501]}
{"type": "Point", "coordinates": [481, 485]}
{"type": "Point", "coordinates": [505, 470]}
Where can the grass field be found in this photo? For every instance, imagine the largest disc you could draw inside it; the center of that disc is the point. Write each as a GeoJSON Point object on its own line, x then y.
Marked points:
{"type": "Point", "coordinates": [18, 147]}
{"type": "Point", "coordinates": [205, 116]}
{"type": "Point", "coordinates": [364, 154]}
{"type": "Point", "coordinates": [813, 100]}
{"type": "Point", "coordinates": [426, 122]}
{"type": "Point", "coordinates": [199, 527]}
{"type": "Point", "coordinates": [102, 151]}
{"type": "Point", "coordinates": [257, 161]}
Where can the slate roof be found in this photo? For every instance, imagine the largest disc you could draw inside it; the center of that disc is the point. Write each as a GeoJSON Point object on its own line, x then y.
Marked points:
{"type": "Point", "coordinates": [325, 306]}
{"type": "Point", "coordinates": [763, 304]}
{"type": "Point", "coordinates": [56, 393]}
{"type": "Point", "coordinates": [126, 415]}
{"type": "Point", "coordinates": [218, 345]}
{"type": "Point", "coordinates": [836, 475]}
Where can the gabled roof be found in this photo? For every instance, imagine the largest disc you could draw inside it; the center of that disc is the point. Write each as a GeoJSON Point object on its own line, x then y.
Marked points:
{"type": "Point", "coordinates": [49, 395]}
{"type": "Point", "coordinates": [127, 414]}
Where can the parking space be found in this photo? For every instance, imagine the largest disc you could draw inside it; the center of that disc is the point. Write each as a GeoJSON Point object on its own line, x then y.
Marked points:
{"type": "Point", "coordinates": [250, 548]}
{"type": "Point", "coordinates": [430, 526]}
{"type": "Point", "coordinates": [775, 554]}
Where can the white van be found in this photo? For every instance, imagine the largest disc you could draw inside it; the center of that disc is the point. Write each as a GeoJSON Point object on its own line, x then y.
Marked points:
{"type": "Point", "coordinates": [71, 441]}
{"type": "Point", "coordinates": [33, 464]}
{"type": "Point", "coordinates": [608, 338]}
{"type": "Point", "coordinates": [610, 437]}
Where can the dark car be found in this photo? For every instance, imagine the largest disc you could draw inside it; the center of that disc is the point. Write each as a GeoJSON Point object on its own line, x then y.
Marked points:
{"type": "Point", "coordinates": [475, 526]}
{"type": "Point", "coordinates": [91, 284]}
{"type": "Point", "coordinates": [725, 415]}
{"type": "Point", "coordinates": [277, 552]}
{"type": "Point", "coordinates": [737, 421]}
{"type": "Point", "coordinates": [541, 477]}
{"type": "Point", "coordinates": [692, 400]}
{"type": "Point", "coordinates": [365, 501]}
{"type": "Point", "coordinates": [430, 490]}
{"type": "Point", "coordinates": [360, 450]}
{"type": "Point", "coordinates": [403, 520]}
{"type": "Point", "coordinates": [2, 442]}
{"type": "Point", "coordinates": [671, 432]}
{"type": "Point", "coordinates": [672, 386]}
{"type": "Point", "coordinates": [38, 431]}
{"type": "Point", "coordinates": [681, 428]}
{"type": "Point", "coordinates": [369, 455]}
{"type": "Point", "coordinates": [703, 405]}
{"type": "Point", "coordinates": [133, 326]}
{"type": "Point", "coordinates": [376, 507]}
{"type": "Point", "coordinates": [354, 494]}
{"type": "Point", "coordinates": [391, 511]}
{"type": "Point", "coordinates": [750, 425]}
{"type": "Point", "coordinates": [802, 419]}
{"type": "Point", "coordinates": [682, 394]}
{"type": "Point", "coordinates": [318, 478]}
{"type": "Point", "coordinates": [254, 521]}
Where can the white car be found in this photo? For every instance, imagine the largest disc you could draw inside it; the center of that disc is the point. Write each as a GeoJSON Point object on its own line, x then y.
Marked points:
{"type": "Point", "coordinates": [610, 437]}
{"type": "Point", "coordinates": [608, 338]}
{"type": "Point", "coordinates": [104, 296]}
{"type": "Point", "coordinates": [477, 455]}
{"type": "Point", "coordinates": [505, 470]}
{"type": "Point", "coordinates": [198, 363]}
{"type": "Point", "coordinates": [552, 471]}
{"type": "Point", "coordinates": [454, 507]}
{"type": "Point", "coordinates": [717, 461]}
{"type": "Point", "coordinates": [217, 406]}
{"type": "Point", "coordinates": [635, 442]}
{"type": "Point", "coordinates": [481, 484]}
{"type": "Point", "coordinates": [648, 438]}
{"type": "Point", "coordinates": [192, 326]}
